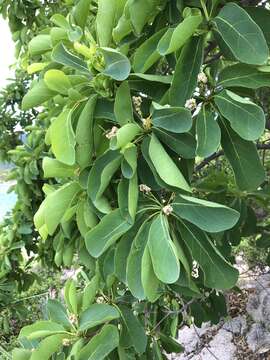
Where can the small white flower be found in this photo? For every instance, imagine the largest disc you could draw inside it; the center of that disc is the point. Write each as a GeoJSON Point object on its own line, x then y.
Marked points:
{"type": "Point", "coordinates": [112, 133]}
{"type": "Point", "coordinates": [145, 189]}
{"type": "Point", "coordinates": [66, 342]}
{"type": "Point", "coordinates": [167, 210]}
{"type": "Point", "coordinates": [72, 318]}
{"type": "Point", "coordinates": [191, 104]}
{"type": "Point", "coordinates": [202, 78]}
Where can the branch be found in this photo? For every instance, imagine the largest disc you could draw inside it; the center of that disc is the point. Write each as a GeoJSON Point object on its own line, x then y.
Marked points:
{"type": "Point", "coordinates": [216, 155]}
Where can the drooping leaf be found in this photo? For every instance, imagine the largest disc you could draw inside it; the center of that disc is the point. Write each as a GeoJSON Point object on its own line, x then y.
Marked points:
{"type": "Point", "coordinates": [123, 104]}
{"type": "Point", "coordinates": [242, 35]}
{"type": "Point", "coordinates": [101, 345]}
{"type": "Point", "coordinates": [186, 72]}
{"type": "Point", "coordinates": [243, 158]}
{"type": "Point", "coordinates": [175, 38]}
{"type": "Point", "coordinates": [129, 161]}
{"type": "Point", "coordinates": [81, 12]}
{"type": "Point", "coordinates": [208, 216]}
{"type": "Point", "coordinates": [97, 314]}
{"type": "Point", "coordinates": [135, 329]}
{"type": "Point", "coordinates": [37, 95]}
{"type": "Point", "coordinates": [47, 347]}
{"type": "Point", "coordinates": [40, 44]}
{"type": "Point", "coordinates": [208, 133]}
{"type": "Point", "coordinates": [165, 166]}
{"type": "Point", "coordinates": [106, 233]}
{"type": "Point", "coordinates": [218, 273]}
{"type": "Point", "coordinates": [246, 118]}
{"type": "Point", "coordinates": [57, 81]}
{"type": "Point", "coordinates": [163, 253]}
{"type": "Point", "coordinates": [128, 193]}
{"type": "Point", "coordinates": [63, 138]}
{"type": "Point", "coordinates": [150, 282]}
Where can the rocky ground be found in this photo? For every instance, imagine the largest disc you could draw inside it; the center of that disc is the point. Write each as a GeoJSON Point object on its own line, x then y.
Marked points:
{"type": "Point", "coordinates": [245, 335]}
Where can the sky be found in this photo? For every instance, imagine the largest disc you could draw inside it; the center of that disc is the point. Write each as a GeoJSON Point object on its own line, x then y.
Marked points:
{"type": "Point", "coordinates": [7, 57]}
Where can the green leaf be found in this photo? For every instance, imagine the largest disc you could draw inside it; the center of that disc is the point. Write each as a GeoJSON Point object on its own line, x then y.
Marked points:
{"type": "Point", "coordinates": [134, 262]}
{"type": "Point", "coordinates": [100, 176]}
{"type": "Point", "coordinates": [174, 119]}
{"type": "Point", "coordinates": [175, 38]}
{"type": "Point", "coordinates": [261, 16]}
{"type": "Point", "coordinates": [243, 158]}
{"type": "Point", "coordinates": [163, 79]}
{"type": "Point", "coordinates": [146, 54]}
{"type": "Point", "coordinates": [129, 161]}
{"type": "Point", "coordinates": [165, 166]}
{"type": "Point", "coordinates": [208, 133]}
{"type": "Point", "coordinates": [58, 81]}
{"type": "Point", "coordinates": [55, 205]}
{"type": "Point", "coordinates": [162, 250]}
{"type": "Point", "coordinates": [54, 168]}
{"type": "Point", "coordinates": [97, 314]}
{"type": "Point", "coordinates": [21, 354]}
{"type": "Point", "coordinates": [58, 313]}
{"type": "Point", "coordinates": [218, 273]}
{"type": "Point", "coordinates": [186, 72]}
{"type": "Point", "coordinates": [135, 329]}
{"type": "Point", "coordinates": [81, 12]}
{"type": "Point", "coordinates": [101, 345]}
{"type": "Point", "coordinates": [40, 44]}
{"type": "Point", "coordinates": [37, 95]}
{"type": "Point", "coordinates": [150, 282]}
{"type": "Point", "coordinates": [111, 227]}
{"type": "Point", "coordinates": [47, 347]}
{"type": "Point", "coordinates": [182, 144]}
{"type": "Point", "coordinates": [41, 329]}
{"type": "Point", "coordinates": [62, 56]}
{"type": "Point", "coordinates": [117, 65]}
{"type": "Point", "coordinates": [128, 193]}
{"type": "Point", "coordinates": [89, 293]}
{"type": "Point", "coordinates": [241, 75]}
{"type": "Point", "coordinates": [245, 117]}
{"type": "Point", "coordinates": [242, 35]}
{"type": "Point", "coordinates": [124, 135]}
{"type": "Point", "coordinates": [63, 138]}
{"type": "Point", "coordinates": [84, 133]}
{"type": "Point", "coordinates": [123, 104]}
{"type": "Point", "coordinates": [170, 345]}
{"type": "Point", "coordinates": [208, 216]}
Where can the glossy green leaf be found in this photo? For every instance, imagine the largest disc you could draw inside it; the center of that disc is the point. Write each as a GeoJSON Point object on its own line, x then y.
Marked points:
{"type": "Point", "coordinates": [146, 54]}
{"type": "Point", "coordinates": [243, 158]}
{"type": "Point", "coordinates": [241, 75]}
{"type": "Point", "coordinates": [61, 55]}
{"type": "Point", "coordinates": [40, 44]}
{"type": "Point", "coordinates": [218, 273]}
{"type": "Point", "coordinates": [186, 72]}
{"type": "Point", "coordinates": [245, 117]}
{"type": "Point", "coordinates": [135, 329]}
{"type": "Point", "coordinates": [174, 119]}
{"type": "Point", "coordinates": [63, 138]}
{"type": "Point", "coordinates": [57, 81]}
{"type": "Point", "coordinates": [182, 144]}
{"type": "Point", "coordinates": [54, 168]}
{"type": "Point", "coordinates": [208, 133]}
{"type": "Point", "coordinates": [117, 65]}
{"type": "Point", "coordinates": [89, 292]}
{"type": "Point", "coordinates": [150, 282]}
{"type": "Point", "coordinates": [84, 133]}
{"type": "Point", "coordinates": [41, 329]}
{"type": "Point", "coordinates": [134, 262]}
{"type": "Point", "coordinates": [208, 216]}
{"type": "Point", "coordinates": [97, 314]}
{"type": "Point", "coordinates": [261, 16]}
{"type": "Point", "coordinates": [162, 250]}
{"type": "Point", "coordinates": [175, 38]}
{"type": "Point", "coordinates": [47, 347]}
{"type": "Point", "coordinates": [37, 95]}
{"type": "Point", "coordinates": [81, 12]}
{"type": "Point", "coordinates": [100, 176]}
{"type": "Point", "coordinates": [101, 345]}
{"type": "Point", "coordinates": [123, 104]}
{"type": "Point", "coordinates": [165, 166]}
{"type": "Point", "coordinates": [242, 35]}
{"type": "Point", "coordinates": [111, 227]}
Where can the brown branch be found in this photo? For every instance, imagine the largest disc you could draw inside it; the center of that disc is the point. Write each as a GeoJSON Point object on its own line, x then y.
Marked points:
{"type": "Point", "coordinates": [216, 155]}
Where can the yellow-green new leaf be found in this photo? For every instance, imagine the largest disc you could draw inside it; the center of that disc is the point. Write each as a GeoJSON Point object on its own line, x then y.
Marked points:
{"type": "Point", "coordinates": [125, 135]}
{"type": "Point", "coordinates": [54, 168]}
{"type": "Point", "coordinates": [57, 81]}
{"type": "Point", "coordinates": [37, 95]}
